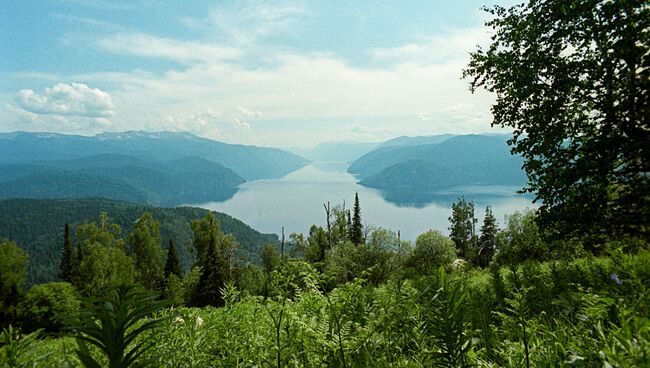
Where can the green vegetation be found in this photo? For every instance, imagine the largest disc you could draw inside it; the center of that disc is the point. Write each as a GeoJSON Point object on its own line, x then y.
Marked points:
{"type": "Point", "coordinates": [534, 293]}
{"type": "Point", "coordinates": [37, 225]}
{"type": "Point", "coordinates": [571, 79]}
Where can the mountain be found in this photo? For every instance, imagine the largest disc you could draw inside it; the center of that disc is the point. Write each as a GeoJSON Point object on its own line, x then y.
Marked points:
{"type": "Point", "coordinates": [36, 225]}
{"type": "Point", "coordinates": [415, 141]}
{"type": "Point", "coordinates": [249, 162]}
{"type": "Point", "coordinates": [121, 177]}
{"type": "Point", "coordinates": [459, 160]}
{"type": "Point", "coordinates": [339, 151]}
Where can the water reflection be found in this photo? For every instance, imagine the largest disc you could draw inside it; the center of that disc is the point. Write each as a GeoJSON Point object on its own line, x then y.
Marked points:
{"type": "Point", "coordinates": [295, 202]}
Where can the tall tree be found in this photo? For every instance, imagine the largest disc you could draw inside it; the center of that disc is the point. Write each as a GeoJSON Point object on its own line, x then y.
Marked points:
{"type": "Point", "coordinates": [68, 265]}
{"type": "Point", "coordinates": [104, 261]}
{"type": "Point", "coordinates": [462, 225]}
{"type": "Point", "coordinates": [212, 247]}
{"type": "Point", "coordinates": [13, 271]}
{"type": "Point", "coordinates": [356, 235]}
{"type": "Point", "coordinates": [145, 241]}
{"type": "Point", "coordinates": [172, 265]}
{"type": "Point", "coordinates": [572, 79]}
{"type": "Point", "coordinates": [487, 239]}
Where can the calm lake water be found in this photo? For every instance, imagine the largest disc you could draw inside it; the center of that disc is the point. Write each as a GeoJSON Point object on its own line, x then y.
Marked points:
{"type": "Point", "coordinates": [296, 202]}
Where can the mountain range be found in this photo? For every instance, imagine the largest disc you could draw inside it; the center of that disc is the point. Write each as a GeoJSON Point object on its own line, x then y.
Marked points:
{"type": "Point", "coordinates": [161, 168]}
{"type": "Point", "coordinates": [437, 162]}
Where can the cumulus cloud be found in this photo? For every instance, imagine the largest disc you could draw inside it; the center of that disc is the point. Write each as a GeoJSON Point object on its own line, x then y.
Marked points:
{"type": "Point", "coordinates": [75, 99]}
{"type": "Point", "coordinates": [208, 123]}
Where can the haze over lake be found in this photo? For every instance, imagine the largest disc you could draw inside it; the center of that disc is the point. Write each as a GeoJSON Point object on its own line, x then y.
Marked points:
{"type": "Point", "coordinates": [296, 202]}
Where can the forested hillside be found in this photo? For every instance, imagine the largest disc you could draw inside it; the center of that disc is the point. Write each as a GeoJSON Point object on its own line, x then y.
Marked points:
{"type": "Point", "coordinates": [249, 162]}
{"type": "Point", "coordinates": [37, 227]}
{"type": "Point", "coordinates": [454, 161]}
{"type": "Point", "coordinates": [121, 177]}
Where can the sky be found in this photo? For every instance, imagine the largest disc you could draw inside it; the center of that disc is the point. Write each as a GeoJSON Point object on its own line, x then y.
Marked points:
{"type": "Point", "coordinates": [270, 73]}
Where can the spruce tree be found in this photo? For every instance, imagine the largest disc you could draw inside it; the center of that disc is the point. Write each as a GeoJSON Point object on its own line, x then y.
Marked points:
{"type": "Point", "coordinates": [487, 240]}
{"type": "Point", "coordinates": [67, 265]}
{"type": "Point", "coordinates": [214, 273]}
{"type": "Point", "coordinates": [357, 229]}
{"type": "Point", "coordinates": [172, 265]}
{"type": "Point", "coordinates": [462, 232]}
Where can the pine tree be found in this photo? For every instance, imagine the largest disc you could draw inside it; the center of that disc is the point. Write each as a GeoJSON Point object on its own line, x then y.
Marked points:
{"type": "Point", "coordinates": [214, 273]}
{"type": "Point", "coordinates": [462, 229]}
{"type": "Point", "coordinates": [349, 226]}
{"type": "Point", "coordinates": [173, 265]}
{"type": "Point", "coordinates": [487, 240]}
{"type": "Point", "coordinates": [357, 229]}
{"type": "Point", "coordinates": [67, 267]}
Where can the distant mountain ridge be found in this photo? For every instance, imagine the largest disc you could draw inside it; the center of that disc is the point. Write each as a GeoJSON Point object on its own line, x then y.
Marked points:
{"type": "Point", "coordinates": [156, 168]}
{"type": "Point", "coordinates": [452, 161]}
{"type": "Point", "coordinates": [342, 151]}
{"type": "Point", "coordinates": [249, 162]}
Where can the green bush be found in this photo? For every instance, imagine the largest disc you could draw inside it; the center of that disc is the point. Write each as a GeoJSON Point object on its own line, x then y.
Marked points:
{"type": "Point", "coordinates": [46, 305]}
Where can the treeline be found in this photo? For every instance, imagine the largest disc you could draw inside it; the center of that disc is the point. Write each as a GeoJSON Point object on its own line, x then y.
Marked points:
{"type": "Point", "coordinates": [102, 255]}
{"type": "Point", "coordinates": [36, 225]}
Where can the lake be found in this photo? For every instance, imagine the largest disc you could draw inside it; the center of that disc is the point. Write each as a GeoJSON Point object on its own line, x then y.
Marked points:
{"type": "Point", "coordinates": [296, 202]}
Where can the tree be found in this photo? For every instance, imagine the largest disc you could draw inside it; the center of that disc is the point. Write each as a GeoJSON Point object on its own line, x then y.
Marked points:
{"type": "Point", "coordinates": [487, 239]}
{"type": "Point", "coordinates": [13, 271]}
{"type": "Point", "coordinates": [214, 274]}
{"type": "Point", "coordinates": [103, 267]}
{"type": "Point", "coordinates": [172, 265]}
{"type": "Point", "coordinates": [45, 305]}
{"type": "Point", "coordinates": [462, 227]}
{"type": "Point", "coordinates": [145, 247]}
{"type": "Point", "coordinates": [572, 79]}
{"type": "Point", "coordinates": [432, 250]}
{"type": "Point", "coordinates": [356, 235]}
{"type": "Point", "coordinates": [68, 268]}
{"type": "Point", "coordinates": [211, 244]}
{"type": "Point", "coordinates": [521, 240]}
{"type": "Point", "coordinates": [103, 260]}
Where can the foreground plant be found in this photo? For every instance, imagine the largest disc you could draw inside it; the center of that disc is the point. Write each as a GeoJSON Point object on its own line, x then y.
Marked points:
{"type": "Point", "coordinates": [113, 324]}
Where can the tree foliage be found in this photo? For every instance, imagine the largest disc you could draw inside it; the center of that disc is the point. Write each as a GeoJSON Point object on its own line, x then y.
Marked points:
{"type": "Point", "coordinates": [356, 233]}
{"type": "Point", "coordinates": [462, 227]}
{"type": "Point", "coordinates": [572, 80]}
{"type": "Point", "coordinates": [432, 251]}
{"type": "Point", "coordinates": [46, 305]}
{"type": "Point", "coordinates": [144, 243]}
{"type": "Point", "coordinates": [172, 264]}
{"type": "Point", "coordinates": [487, 239]}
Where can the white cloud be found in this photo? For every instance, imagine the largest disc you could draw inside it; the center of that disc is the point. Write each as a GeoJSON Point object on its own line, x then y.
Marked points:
{"type": "Point", "coordinates": [75, 99]}
{"type": "Point", "coordinates": [208, 123]}
{"type": "Point", "coordinates": [455, 44]}
{"type": "Point", "coordinates": [246, 22]}
{"type": "Point", "coordinates": [141, 44]}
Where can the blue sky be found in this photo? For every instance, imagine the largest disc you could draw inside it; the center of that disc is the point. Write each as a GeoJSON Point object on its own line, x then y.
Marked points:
{"type": "Point", "coordinates": [277, 73]}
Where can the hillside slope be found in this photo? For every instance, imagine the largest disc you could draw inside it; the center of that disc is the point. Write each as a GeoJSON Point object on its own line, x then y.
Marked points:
{"type": "Point", "coordinates": [36, 225]}
{"type": "Point", "coordinates": [249, 162]}
{"type": "Point", "coordinates": [460, 160]}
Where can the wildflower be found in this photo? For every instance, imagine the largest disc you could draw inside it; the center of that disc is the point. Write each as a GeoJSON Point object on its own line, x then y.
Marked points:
{"type": "Point", "coordinates": [179, 321]}
{"type": "Point", "coordinates": [198, 321]}
{"type": "Point", "coordinates": [616, 279]}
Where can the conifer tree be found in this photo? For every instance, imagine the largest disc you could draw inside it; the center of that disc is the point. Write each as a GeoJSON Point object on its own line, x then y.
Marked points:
{"type": "Point", "coordinates": [487, 240]}
{"type": "Point", "coordinates": [349, 226]}
{"type": "Point", "coordinates": [214, 273]}
{"type": "Point", "coordinates": [212, 246]}
{"type": "Point", "coordinates": [357, 229]}
{"type": "Point", "coordinates": [67, 265]}
{"type": "Point", "coordinates": [172, 265]}
{"type": "Point", "coordinates": [462, 231]}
